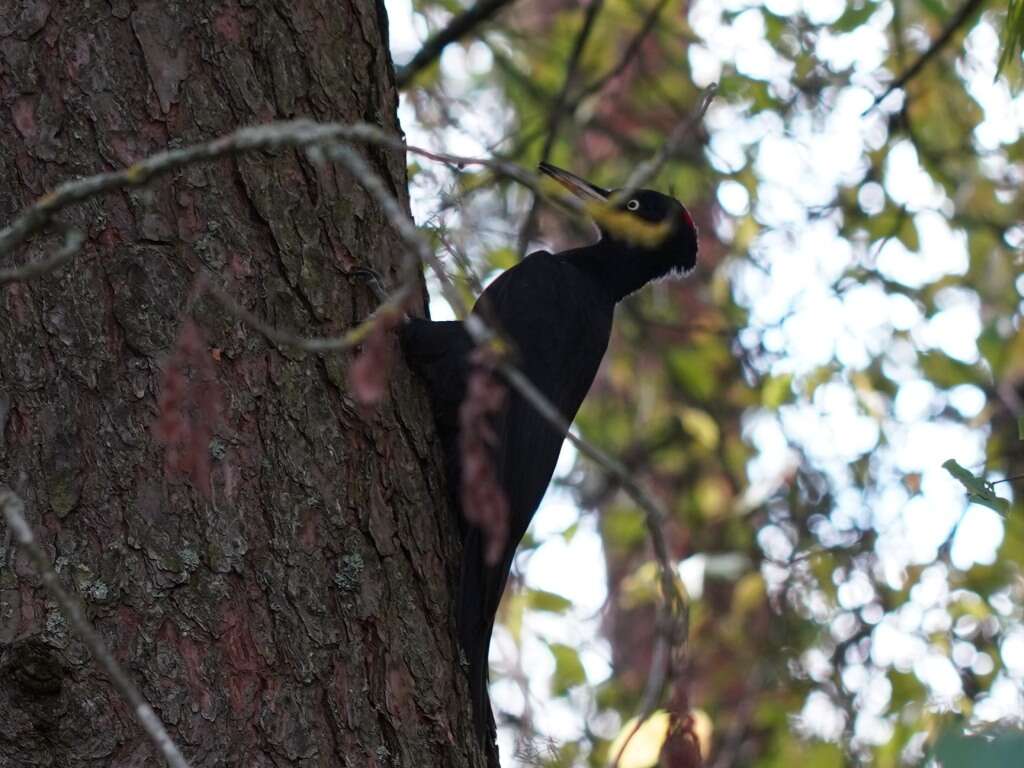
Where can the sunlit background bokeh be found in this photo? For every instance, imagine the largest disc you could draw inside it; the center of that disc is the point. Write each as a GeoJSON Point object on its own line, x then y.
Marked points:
{"type": "Point", "coordinates": [828, 307]}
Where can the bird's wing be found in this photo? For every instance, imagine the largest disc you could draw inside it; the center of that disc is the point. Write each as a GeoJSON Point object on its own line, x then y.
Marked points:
{"type": "Point", "coordinates": [560, 329]}
{"type": "Point", "coordinates": [439, 352]}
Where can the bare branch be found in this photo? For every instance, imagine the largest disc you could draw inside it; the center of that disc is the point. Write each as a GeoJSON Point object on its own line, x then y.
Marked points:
{"type": "Point", "coordinates": [324, 139]}
{"type": "Point", "coordinates": [559, 109]}
{"type": "Point", "coordinates": [292, 133]}
{"type": "Point", "coordinates": [459, 27]}
{"type": "Point", "coordinates": [14, 510]}
{"type": "Point", "coordinates": [73, 240]}
{"type": "Point", "coordinates": [628, 55]}
{"type": "Point", "coordinates": [391, 306]}
{"type": "Point", "coordinates": [649, 168]}
{"type": "Point", "coordinates": [960, 19]}
{"type": "Point", "coordinates": [348, 340]}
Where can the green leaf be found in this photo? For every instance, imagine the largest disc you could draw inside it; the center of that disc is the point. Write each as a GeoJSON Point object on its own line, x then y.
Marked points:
{"type": "Point", "coordinates": [542, 600]}
{"type": "Point", "coordinates": [1020, 427]}
{"type": "Point", "coordinates": [854, 17]}
{"type": "Point", "coordinates": [692, 373]}
{"type": "Point", "coordinates": [568, 668]}
{"type": "Point", "coordinates": [936, 9]}
{"type": "Point", "coordinates": [908, 234]}
{"type": "Point", "coordinates": [943, 371]}
{"type": "Point", "coordinates": [777, 390]}
{"type": "Point", "coordinates": [979, 490]}
{"type": "Point", "coordinates": [503, 258]}
{"type": "Point", "coordinates": [1013, 35]}
{"type": "Point", "coordinates": [701, 425]}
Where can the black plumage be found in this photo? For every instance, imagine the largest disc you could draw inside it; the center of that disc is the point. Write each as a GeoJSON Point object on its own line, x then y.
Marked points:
{"type": "Point", "coordinates": [556, 311]}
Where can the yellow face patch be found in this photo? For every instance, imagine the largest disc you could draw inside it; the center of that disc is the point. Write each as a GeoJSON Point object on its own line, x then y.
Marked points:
{"type": "Point", "coordinates": [625, 226]}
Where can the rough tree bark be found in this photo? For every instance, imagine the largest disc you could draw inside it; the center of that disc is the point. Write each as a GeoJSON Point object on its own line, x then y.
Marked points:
{"type": "Point", "coordinates": [300, 614]}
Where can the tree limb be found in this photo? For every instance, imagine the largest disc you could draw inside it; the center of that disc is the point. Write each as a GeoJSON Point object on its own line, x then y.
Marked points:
{"type": "Point", "coordinates": [962, 17]}
{"type": "Point", "coordinates": [459, 27]}
{"type": "Point", "coordinates": [73, 240]}
{"type": "Point", "coordinates": [14, 509]}
{"type": "Point", "coordinates": [559, 110]}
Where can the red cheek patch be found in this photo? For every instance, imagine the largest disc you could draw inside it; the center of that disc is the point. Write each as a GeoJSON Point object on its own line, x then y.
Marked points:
{"type": "Point", "coordinates": [688, 219]}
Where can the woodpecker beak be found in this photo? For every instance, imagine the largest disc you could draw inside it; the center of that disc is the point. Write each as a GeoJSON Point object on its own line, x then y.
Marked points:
{"type": "Point", "coordinates": [582, 188]}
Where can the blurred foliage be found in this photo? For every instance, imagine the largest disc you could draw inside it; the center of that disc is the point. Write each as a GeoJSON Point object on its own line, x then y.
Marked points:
{"type": "Point", "coordinates": [1013, 37]}
{"type": "Point", "coordinates": [854, 322]}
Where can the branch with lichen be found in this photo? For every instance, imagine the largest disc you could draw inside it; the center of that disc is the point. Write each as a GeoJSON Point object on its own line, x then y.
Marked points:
{"type": "Point", "coordinates": [332, 142]}
{"type": "Point", "coordinates": [14, 511]}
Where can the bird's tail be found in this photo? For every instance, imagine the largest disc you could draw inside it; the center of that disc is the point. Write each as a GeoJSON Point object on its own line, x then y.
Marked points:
{"type": "Point", "coordinates": [480, 588]}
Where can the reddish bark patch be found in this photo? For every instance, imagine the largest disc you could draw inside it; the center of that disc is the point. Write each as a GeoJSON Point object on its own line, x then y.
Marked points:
{"type": "Point", "coordinates": [124, 148]}
{"type": "Point", "coordinates": [27, 615]}
{"type": "Point", "coordinates": [308, 534]}
{"type": "Point", "coordinates": [240, 267]}
{"type": "Point", "coordinates": [79, 57]}
{"type": "Point", "coordinates": [343, 256]}
{"type": "Point", "coordinates": [126, 628]}
{"type": "Point", "coordinates": [399, 696]}
{"type": "Point", "coordinates": [483, 501]}
{"type": "Point", "coordinates": [16, 301]}
{"type": "Point", "coordinates": [241, 656]}
{"type": "Point", "coordinates": [369, 374]}
{"type": "Point", "coordinates": [239, 649]}
{"type": "Point", "coordinates": [24, 113]}
{"type": "Point", "coordinates": [110, 237]}
{"type": "Point", "coordinates": [228, 25]}
{"type": "Point", "coordinates": [339, 684]}
{"type": "Point", "coordinates": [190, 224]}
{"type": "Point", "coordinates": [232, 475]}
{"type": "Point", "coordinates": [192, 655]}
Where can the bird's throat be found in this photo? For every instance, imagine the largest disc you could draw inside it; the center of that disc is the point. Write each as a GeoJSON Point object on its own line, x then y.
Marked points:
{"type": "Point", "coordinates": [622, 271]}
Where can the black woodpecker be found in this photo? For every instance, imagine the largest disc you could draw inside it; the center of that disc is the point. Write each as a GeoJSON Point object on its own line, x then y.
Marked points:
{"type": "Point", "coordinates": [556, 311]}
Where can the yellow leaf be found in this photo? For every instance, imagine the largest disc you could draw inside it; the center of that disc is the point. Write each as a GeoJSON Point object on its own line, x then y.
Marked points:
{"type": "Point", "coordinates": [712, 495]}
{"type": "Point", "coordinates": [640, 587]}
{"type": "Point", "coordinates": [644, 748]}
{"type": "Point", "coordinates": [701, 426]}
{"type": "Point", "coordinates": [703, 729]}
{"type": "Point", "coordinates": [748, 594]}
{"type": "Point", "coordinates": [777, 390]}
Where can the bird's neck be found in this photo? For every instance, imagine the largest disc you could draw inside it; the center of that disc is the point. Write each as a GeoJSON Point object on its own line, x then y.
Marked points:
{"type": "Point", "coordinates": [619, 272]}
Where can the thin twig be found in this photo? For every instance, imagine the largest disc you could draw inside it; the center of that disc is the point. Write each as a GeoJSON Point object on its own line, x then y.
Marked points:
{"type": "Point", "coordinates": [632, 48]}
{"type": "Point", "coordinates": [459, 27]}
{"type": "Point", "coordinates": [292, 133]}
{"type": "Point", "coordinates": [347, 340]}
{"type": "Point", "coordinates": [962, 17]}
{"type": "Point", "coordinates": [73, 240]}
{"type": "Point", "coordinates": [647, 170]}
{"type": "Point", "coordinates": [559, 111]}
{"type": "Point", "coordinates": [14, 509]}
{"type": "Point", "coordinates": [671, 630]}
{"type": "Point", "coordinates": [392, 304]}
{"type": "Point", "coordinates": [672, 623]}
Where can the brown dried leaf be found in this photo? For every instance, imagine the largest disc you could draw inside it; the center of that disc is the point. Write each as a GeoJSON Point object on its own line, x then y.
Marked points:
{"type": "Point", "coordinates": [483, 500]}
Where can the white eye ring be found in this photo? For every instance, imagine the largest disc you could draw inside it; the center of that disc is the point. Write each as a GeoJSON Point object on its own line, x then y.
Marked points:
{"type": "Point", "coordinates": [633, 205]}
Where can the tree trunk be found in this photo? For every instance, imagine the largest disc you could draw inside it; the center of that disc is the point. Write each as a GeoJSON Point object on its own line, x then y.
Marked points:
{"type": "Point", "coordinates": [297, 609]}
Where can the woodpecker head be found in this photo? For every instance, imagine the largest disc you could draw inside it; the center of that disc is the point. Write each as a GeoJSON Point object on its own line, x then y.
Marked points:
{"type": "Point", "coordinates": [674, 253]}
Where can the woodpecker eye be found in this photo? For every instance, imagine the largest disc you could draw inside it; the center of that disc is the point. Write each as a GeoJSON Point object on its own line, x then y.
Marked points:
{"type": "Point", "coordinates": [633, 205]}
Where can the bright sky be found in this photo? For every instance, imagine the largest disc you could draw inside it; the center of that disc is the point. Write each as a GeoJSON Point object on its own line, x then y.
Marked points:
{"type": "Point", "coordinates": [795, 310]}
